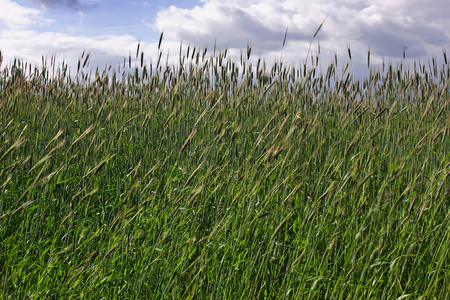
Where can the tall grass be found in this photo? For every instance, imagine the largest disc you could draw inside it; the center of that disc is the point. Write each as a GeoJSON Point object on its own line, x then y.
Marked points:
{"type": "Point", "coordinates": [220, 179]}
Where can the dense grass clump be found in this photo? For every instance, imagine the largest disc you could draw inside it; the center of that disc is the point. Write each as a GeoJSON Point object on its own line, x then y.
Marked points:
{"type": "Point", "coordinates": [221, 179]}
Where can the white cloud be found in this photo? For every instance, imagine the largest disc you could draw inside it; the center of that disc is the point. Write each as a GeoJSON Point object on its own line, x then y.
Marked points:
{"type": "Point", "coordinates": [104, 50]}
{"type": "Point", "coordinates": [12, 15]}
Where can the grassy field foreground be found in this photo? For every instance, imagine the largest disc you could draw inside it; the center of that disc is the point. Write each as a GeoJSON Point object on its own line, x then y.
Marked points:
{"type": "Point", "coordinates": [224, 180]}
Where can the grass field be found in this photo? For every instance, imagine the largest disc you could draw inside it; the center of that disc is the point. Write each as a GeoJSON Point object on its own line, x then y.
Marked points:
{"type": "Point", "coordinates": [224, 180]}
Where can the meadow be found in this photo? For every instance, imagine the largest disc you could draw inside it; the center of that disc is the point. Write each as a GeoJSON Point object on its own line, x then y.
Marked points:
{"type": "Point", "coordinates": [217, 178]}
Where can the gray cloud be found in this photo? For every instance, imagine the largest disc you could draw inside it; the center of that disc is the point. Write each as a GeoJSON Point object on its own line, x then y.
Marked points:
{"type": "Point", "coordinates": [75, 5]}
{"type": "Point", "coordinates": [390, 40]}
{"type": "Point", "coordinates": [242, 28]}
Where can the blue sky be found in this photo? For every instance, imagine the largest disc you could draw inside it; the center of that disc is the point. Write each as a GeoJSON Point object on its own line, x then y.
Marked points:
{"type": "Point", "coordinates": [94, 18]}
{"type": "Point", "coordinates": [110, 30]}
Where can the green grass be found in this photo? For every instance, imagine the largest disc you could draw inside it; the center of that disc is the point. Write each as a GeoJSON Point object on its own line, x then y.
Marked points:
{"type": "Point", "coordinates": [210, 182]}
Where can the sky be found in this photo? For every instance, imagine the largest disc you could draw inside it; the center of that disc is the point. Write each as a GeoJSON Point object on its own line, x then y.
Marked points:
{"type": "Point", "coordinates": [110, 30]}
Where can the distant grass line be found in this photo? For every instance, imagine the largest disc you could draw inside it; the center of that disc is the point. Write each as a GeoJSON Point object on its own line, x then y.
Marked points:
{"type": "Point", "coordinates": [205, 181]}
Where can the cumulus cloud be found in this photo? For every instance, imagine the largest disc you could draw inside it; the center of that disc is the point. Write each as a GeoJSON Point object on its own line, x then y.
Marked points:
{"type": "Point", "coordinates": [385, 26]}
{"type": "Point", "coordinates": [233, 24]}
